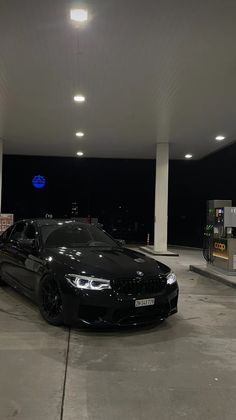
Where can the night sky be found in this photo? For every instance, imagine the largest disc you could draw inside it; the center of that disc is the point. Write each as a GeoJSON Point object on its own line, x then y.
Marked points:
{"type": "Point", "coordinates": [120, 192]}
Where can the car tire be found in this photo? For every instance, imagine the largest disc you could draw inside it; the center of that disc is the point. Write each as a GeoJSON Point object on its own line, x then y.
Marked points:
{"type": "Point", "coordinates": [50, 301]}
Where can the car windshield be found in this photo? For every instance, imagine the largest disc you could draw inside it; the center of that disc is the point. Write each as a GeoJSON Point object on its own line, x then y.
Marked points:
{"type": "Point", "coordinates": [75, 236]}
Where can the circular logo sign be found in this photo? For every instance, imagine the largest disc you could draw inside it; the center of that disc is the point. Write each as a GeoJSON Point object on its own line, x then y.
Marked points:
{"type": "Point", "coordinates": [39, 181]}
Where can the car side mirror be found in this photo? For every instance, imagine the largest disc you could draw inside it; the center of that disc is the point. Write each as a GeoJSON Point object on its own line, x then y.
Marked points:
{"type": "Point", "coordinates": [121, 242]}
{"type": "Point", "coordinates": [27, 244]}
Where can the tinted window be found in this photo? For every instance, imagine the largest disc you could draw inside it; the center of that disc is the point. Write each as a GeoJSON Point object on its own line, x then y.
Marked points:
{"type": "Point", "coordinates": [75, 235]}
{"type": "Point", "coordinates": [30, 232]}
{"type": "Point", "coordinates": [5, 235]}
{"type": "Point", "coordinates": [18, 232]}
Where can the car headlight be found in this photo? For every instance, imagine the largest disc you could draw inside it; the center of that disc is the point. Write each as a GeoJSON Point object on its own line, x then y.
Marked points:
{"type": "Point", "coordinates": [171, 278]}
{"type": "Point", "coordinates": [88, 283]}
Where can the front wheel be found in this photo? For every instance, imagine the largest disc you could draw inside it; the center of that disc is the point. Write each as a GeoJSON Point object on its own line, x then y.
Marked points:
{"type": "Point", "coordinates": [50, 301]}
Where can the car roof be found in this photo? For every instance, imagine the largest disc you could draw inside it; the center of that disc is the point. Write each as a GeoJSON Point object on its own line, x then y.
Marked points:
{"type": "Point", "coordinates": [52, 222]}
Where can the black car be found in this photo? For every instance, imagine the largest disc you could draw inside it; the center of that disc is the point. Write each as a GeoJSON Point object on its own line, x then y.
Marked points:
{"type": "Point", "coordinates": [77, 273]}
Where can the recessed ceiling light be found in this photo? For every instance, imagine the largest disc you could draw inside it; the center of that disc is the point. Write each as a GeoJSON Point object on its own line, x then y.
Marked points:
{"type": "Point", "coordinates": [79, 134]}
{"type": "Point", "coordinates": [80, 153]}
{"type": "Point", "coordinates": [220, 138]}
{"type": "Point", "coordinates": [79, 15]}
{"type": "Point", "coordinates": [188, 156]}
{"type": "Point", "coordinates": [79, 98]}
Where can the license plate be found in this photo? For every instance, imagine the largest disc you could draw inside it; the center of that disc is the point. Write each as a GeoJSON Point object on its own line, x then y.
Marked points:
{"type": "Point", "coordinates": [144, 302]}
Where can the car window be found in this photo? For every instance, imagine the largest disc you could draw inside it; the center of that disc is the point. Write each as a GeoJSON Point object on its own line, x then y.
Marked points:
{"type": "Point", "coordinates": [5, 235]}
{"type": "Point", "coordinates": [18, 232]}
{"type": "Point", "coordinates": [66, 236]}
{"type": "Point", "coordinates": [75, 235]}
{"type": "Point", "coordinates": [30, 232]}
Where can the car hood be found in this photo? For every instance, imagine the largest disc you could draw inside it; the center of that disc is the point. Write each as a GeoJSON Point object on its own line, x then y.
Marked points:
{"type": "Point", "coordinates": [107, 262]}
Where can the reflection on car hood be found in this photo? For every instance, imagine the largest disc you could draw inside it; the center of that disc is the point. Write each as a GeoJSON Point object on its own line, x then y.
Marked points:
{"type": "Point", "coordinates": [107, 263]}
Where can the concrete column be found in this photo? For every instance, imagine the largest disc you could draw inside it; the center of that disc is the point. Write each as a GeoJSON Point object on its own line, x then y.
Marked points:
{"type": "Point", "coordinates": [1, 153]}
{"type": "Point", "coordinates": [161, 197]}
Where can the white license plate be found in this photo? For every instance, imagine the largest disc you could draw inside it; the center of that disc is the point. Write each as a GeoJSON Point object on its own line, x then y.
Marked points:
{"type": "Point", "coordinates": [144, 302]}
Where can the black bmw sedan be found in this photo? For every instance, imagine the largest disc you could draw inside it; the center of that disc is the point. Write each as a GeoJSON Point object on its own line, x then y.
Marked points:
{"type": "Point", "coordinates": [77, 273]}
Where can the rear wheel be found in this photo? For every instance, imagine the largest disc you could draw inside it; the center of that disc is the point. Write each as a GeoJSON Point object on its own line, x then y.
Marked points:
{"type": "Point", "coordinates": [50, 301]}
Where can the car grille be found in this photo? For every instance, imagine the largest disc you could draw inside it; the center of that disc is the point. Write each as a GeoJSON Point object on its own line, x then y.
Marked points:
{"type": "Point", "coordinates": [138, 286]}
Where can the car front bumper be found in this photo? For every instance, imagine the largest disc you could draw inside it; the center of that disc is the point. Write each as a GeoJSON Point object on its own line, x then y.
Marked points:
{"type": "Point", "coordinates": [106, 308]}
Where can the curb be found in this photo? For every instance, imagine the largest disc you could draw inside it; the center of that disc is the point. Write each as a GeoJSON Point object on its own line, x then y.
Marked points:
{"type": "Point", "coordinates": [211, 275]}
{"type": "Point", "coordinates": [160, 254]}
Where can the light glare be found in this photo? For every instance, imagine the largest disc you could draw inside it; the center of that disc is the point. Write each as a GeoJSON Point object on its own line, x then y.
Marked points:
{"type": "Point", "coordinates": [80, 153]}
{"type": "Point", "coordinates": [220, 138]}
{"type": "Point", "coordinates": [79, 15]}
{"type": "Point", "coordinates": [188, 156]}
{"type": "Point", "coordinates": [79, 98]}
{"type": "Point", "coordinates": [79, 134]}
{"type": "Point", "coordinates": [171, 278]}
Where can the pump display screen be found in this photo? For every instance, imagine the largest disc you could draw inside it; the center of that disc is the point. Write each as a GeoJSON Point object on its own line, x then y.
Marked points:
{"type": "Point", "coordinates": [219, 215]}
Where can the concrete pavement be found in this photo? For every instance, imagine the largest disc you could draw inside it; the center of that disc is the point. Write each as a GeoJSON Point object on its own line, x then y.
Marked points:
{"type": "Point", "coordinates": [184, 368]}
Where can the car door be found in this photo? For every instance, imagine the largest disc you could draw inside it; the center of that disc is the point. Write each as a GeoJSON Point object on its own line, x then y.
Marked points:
{"type": "Point", "coordinates": [30, 265]}
{"type": "Point", "coordinates": [10, 254]}
{"type": "Point", "coordinates": [21, 265]}
{"type": "Point", "coordinates": [4, 238]}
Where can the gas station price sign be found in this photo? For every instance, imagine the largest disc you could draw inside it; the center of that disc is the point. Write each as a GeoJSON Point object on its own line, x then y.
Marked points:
{"type": "Point", "coordinates": [6, 220]}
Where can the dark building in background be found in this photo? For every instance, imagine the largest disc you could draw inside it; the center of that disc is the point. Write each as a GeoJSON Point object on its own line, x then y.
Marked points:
{"type": "Point", "coordinates": [120, 192]}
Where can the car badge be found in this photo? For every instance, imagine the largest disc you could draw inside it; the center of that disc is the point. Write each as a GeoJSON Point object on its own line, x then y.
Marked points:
{"type": "Point", "coordinates": [140, 273]}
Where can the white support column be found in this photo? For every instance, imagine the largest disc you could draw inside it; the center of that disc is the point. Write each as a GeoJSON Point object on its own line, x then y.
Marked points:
{"type": "Point", "coordinates": [161, 197]}
{"type": "Point", "coordinates": [1, 153]}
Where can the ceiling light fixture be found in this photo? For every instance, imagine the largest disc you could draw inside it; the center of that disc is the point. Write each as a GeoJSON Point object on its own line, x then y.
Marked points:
{"type": "Point", "coordinates": [79, 98]}
{"type": "Point", "coordinates": [188, 156]}
{"type": "Point", "coordinates": [79, 134]}
{"type": "Point", "coordinates": [79, 15]}
{"type": "Point", "coordinates": [80, 153]}
{"type": "Point", "coordinates": [220, 138]}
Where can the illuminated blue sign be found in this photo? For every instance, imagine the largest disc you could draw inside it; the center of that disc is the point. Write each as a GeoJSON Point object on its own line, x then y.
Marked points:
{"type": "Point", "coordinates": [39, 181]}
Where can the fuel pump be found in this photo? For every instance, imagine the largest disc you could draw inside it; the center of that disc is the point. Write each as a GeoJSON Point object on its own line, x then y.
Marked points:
{"type": "Point", "coordinates": [220, 235]}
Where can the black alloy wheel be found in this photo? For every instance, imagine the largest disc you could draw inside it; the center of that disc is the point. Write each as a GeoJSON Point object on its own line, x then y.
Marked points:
{"type": "Point", "coordinates": [50, 301]}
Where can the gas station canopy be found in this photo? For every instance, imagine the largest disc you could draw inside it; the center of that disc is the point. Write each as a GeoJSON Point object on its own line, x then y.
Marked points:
{"type": "Point", "coordinates": [150, 71]}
